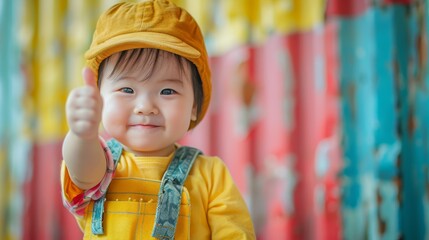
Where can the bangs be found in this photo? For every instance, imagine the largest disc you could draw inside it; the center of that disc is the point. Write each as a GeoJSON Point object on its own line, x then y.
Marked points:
{"type": "Point", "coordinates": [139, 58]}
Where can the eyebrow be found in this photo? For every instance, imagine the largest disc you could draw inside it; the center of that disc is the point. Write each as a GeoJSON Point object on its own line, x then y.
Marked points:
{"type": "Point", "coordinates": [170, 80]}
{"type": "Point", "coordinates": [119, 78]}
{"type": "Point", "coordinates": [173, 80]}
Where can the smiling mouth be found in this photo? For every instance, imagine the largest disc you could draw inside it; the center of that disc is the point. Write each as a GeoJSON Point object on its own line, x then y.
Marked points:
{"type": "Point", "coordinates": [143, 126]}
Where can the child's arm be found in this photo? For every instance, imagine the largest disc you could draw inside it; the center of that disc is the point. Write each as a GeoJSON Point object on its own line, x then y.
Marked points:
{"type": "Point", "coordinates": [228, 215]}
{"type": "Point", "coordinates": [82, 151]}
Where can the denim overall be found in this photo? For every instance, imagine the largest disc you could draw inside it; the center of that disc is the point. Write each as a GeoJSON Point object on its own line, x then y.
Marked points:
{"type": "Point", "coordinates": [134, 207]}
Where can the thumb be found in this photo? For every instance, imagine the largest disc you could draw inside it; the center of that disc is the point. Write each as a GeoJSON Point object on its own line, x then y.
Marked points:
{"type": "Point", "coordinates": [89, 77]}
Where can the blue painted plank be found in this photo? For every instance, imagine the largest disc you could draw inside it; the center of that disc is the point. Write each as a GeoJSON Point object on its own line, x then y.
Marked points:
{"type": "Point", "coordinates": [423, 101]}
{"type": "Point", "coordinates": [387, 143]}
{"type": "Point", "coordinates": [357, 90]}
{"type": "Point", "coordinates": [411, 163]}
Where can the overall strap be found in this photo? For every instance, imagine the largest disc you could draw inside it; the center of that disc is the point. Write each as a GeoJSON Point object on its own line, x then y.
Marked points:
{"type": "Point", "coordinates": [97, 216]}
{"type": "Point", "coordinates": [170, 192]}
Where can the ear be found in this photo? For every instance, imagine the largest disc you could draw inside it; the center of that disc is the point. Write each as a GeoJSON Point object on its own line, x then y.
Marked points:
{"type": "Point", "coordinates": [194, 113]}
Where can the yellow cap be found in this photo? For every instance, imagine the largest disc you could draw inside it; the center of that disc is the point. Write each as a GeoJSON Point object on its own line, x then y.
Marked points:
{"type": "Point", "coordinates": [151, 24]}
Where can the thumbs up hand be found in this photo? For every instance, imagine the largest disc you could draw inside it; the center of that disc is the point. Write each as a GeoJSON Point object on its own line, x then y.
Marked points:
{"type": "Point", "coordinates": [84, 106]}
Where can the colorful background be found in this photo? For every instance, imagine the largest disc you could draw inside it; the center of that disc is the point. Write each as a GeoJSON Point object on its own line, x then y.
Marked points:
{"type": "Point", "coordinates": [320, 110]}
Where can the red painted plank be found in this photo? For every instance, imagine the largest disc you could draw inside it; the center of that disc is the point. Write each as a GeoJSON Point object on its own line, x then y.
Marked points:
{"type": "Point", "coordinates": [46, 218]}
{"type": "Point", "coordinates": [399, 1]}
{"type": "Point", "coordinates": [232, 106]}
{"type": "Point", "coordinates": [298, 145]}
{"type": "Point", "coordinates": [349, 8]}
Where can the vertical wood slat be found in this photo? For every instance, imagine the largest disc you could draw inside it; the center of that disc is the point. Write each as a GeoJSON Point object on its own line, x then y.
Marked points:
{"type": "Point", "coordinates": [357, 90]}
{"type": "Point", "coordinates": [412, 120]}
{"type": "Point", "coordinates": [387, 143]}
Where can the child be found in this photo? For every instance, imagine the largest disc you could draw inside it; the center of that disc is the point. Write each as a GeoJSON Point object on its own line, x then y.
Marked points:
{"type": "Point", "coordinates": [148, 82]}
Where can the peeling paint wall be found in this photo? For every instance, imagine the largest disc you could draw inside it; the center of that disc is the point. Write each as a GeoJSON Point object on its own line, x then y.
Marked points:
{"type": "Point", "coordinates": [384, 95]}
{"type": "Point", "coordinates": [357, 88]}
{"type": "Point", "coordinates": [412, 93]}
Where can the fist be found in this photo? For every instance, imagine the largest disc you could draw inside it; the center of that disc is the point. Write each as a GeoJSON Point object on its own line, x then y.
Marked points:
{"type": "Point", "coordinates": [84, 106]}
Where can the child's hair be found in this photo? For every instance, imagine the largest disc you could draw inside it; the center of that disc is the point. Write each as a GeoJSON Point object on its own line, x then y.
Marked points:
{"type": "Point", "coordinates": [153, 24]}
{"type": "Point", "coordinates": [148, 58]}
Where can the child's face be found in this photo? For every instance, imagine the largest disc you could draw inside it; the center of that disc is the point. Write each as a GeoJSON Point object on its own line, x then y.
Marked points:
{"type": "Point", "coordinates": [147, 113]}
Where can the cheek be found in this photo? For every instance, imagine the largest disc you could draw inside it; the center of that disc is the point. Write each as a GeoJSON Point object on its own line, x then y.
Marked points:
{"type": "Point", "coordinates": [181, 113]}
{"type": "Point", "coordinates": [114, 114]}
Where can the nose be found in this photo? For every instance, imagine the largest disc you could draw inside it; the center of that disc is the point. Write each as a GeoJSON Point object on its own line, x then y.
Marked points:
{"type": "Point", "coordinates": [145, 107]}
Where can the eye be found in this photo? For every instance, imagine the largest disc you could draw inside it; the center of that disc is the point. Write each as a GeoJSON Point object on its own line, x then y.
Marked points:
{"type": "Point", "coordinates": [127, 90]}
{"type": "Point", "coordinates": [167, 91]}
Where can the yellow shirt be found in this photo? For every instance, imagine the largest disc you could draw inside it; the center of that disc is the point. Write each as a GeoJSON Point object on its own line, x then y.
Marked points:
{"type": "Point", "coordinates": [217, 208]}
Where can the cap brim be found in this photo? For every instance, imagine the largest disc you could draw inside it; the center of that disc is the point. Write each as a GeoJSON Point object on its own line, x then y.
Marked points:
{"type": "Point", "coordinates": [143, 40]}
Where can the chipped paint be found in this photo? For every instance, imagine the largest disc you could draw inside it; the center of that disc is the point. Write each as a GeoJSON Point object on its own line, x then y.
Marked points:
{"type": "Point", "coordinates": [281, 179]}
{"type": "Point", "coordinates": [387, 145]}
{"type": "Point", "coordinates": [321, 166]}
{"type": "Point", "coordinates": [388, 210]}
{"type": "Point", "coordinates": [382, 196]}
{"type": "Point", "coordinates": [385, 122]}
{"type": "Point", "coordinates": [412, 108]}
{"type": "Point", "coordinates": [288, 101]}
{"type": "Point", "coordinates": [356, 53]}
